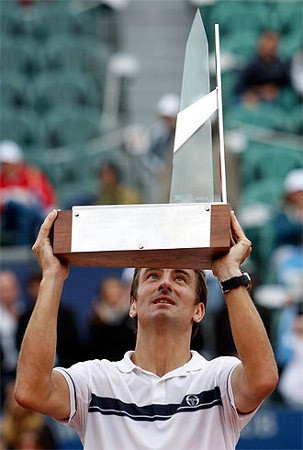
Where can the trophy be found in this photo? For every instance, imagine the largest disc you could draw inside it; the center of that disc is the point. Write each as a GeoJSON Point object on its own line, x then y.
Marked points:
{"type": "Point", "coordinates": [192, 228]}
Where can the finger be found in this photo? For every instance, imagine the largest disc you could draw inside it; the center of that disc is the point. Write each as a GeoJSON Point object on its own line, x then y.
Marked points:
{"type": "Point", "coordinates": [237, 230]}
{"type": "Point", "coordinates": [232, 241]}
{"type": "Point", "coordinates": [240, 236]}
{"type": "Point", "coordinates": [45, 228]}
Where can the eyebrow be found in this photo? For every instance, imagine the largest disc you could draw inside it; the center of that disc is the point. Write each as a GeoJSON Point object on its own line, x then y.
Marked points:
{"type": "Point", "coordinates": [175, 271]}
{"type": "Point", "coordinates": [183, 272]}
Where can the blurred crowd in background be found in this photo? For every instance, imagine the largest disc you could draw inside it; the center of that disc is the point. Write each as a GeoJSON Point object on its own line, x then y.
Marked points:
{"type": "Point", "coordinates": [71, 135]}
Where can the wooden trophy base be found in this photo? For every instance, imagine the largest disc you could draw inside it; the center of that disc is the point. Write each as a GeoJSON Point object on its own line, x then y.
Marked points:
{"type": "Point", "coordinates": [185, 235]}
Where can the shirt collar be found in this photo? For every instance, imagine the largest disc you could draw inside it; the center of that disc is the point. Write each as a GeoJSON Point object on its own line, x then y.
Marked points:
{"type": "Point", "coordinates": [196, 362]}
{"type": "Point", "coordinates": [126, 364]}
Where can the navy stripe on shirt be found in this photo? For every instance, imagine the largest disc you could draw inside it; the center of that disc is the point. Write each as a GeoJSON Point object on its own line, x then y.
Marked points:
{"type": "Point", "coordinates": [154, 412]}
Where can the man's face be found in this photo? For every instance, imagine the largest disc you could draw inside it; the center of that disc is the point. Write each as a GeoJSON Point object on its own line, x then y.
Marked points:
{"type": "Point", "coordinates": [167, 296]}
{"type": "Point", "coordinates": [9, 292]}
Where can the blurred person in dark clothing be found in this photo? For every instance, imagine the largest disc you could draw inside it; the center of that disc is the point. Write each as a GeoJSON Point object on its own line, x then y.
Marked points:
{"type": "Point", "coordinates": [111, 329]}
{"type": "Point", "coordinates": [264, 76]}
{"type": "Point", "coordinates": [224, 342]}
{"type": "Point", "coordinates": [26, 196]}
{"type": "Point", "coordinates": [10, 310]}
{"type": "Point", "coordinates": [68, 342]}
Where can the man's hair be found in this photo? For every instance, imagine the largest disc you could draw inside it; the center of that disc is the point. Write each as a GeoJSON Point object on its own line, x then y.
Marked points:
{"type": "Point", "coordinates": [201, 294]}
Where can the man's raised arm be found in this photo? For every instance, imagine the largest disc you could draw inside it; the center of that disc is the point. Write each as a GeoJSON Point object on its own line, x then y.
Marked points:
{"type": "Point", "coordinates": [257, 376]}
{"type": "Point", "coordinates": [37, 386]}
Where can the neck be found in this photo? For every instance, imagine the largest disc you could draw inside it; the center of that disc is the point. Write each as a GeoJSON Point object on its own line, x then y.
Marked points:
{"type": "Point", "coordinates": [161, 353]}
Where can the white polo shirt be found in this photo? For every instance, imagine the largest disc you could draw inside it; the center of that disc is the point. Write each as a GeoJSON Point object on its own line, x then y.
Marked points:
{"type": "Point", "coordinates": [118, 405]}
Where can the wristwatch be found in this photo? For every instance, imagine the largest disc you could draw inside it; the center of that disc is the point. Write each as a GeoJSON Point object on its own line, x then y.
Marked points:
{"type": "Point", "coordinates": [233, 283]}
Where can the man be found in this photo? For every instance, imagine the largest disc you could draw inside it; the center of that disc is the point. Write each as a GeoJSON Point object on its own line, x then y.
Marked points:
{"type": "Point", "coordinates": [162, 395]}
{"type": "Point", "coordinates": [10, 310]}
{"type": "Point", "coordinates": [266, 75]}
{"type": "Point", "coordinates": [160, 151]}
{"type": "Point", "coordinates": [68, 349]}
{"type": "Point", "coordinates": [26, 196]}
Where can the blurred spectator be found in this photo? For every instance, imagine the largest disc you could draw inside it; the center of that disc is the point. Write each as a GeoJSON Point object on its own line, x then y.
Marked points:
{"type": "Point", "coordinates": [26, 2]}
{"type": "Point", "coordinates": [10, 308]}
{"type": "Point", "coordinates": [290, 385]}
{"type": "Point", "coordinates": [111, 329]}
{"type": "Point", "coordinates": [161, 146]}
{"type": "Point", "coordinates": [22, 429]}
{"type": "Point", "coordinates": [26, 196]}
{"type": "Point", "coordinates": [296, 71]}
{"type": "Point", "coordinates": [126, 280]}
{"type": "Point", "coordinates": [224, 343]}
{"type": "Point", "coordinates": [287, 225]}
{"type": "Point", "coordinates": [112, 191]}
{"type": "Point", "coordinates": [162, 135]}
{"type": "Point", "coordinates": [264, 76]}
{"type": "Point", "coordinates": [288, 222]}
{"type": "Point", "coordinates": [68, 342]}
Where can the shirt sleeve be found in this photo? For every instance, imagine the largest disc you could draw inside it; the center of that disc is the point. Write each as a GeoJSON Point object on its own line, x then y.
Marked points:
{"type": "Point", "coordinates": [226, 366]}
{"type": "Point", "coordinates": [78, 380]}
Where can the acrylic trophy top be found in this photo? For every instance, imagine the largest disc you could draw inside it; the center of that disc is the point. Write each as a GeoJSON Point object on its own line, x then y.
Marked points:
{"type": "Point", "coordinates": [192, 176]}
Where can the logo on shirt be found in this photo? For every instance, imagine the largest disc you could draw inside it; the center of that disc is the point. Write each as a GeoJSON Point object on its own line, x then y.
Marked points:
{"type": "Point", "coordinates": [192, 400]}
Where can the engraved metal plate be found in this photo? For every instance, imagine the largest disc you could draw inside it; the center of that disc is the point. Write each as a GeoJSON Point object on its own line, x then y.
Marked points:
{"type": "Point", "coordinates": [140, 227]}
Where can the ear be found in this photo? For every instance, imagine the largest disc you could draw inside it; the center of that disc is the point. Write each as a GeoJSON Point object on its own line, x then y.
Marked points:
{"type": "Point", "coordinates": [199, 312]}
{"type": "Point", "coordinates": [133, 308]}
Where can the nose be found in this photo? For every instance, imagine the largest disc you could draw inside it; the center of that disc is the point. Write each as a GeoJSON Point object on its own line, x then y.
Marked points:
{"type": "Point", "coordinates": [165, 285]}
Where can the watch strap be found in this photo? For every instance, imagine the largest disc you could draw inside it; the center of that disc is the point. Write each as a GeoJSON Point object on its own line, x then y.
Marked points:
{"type": "Point", "coordinates": [235, 282]}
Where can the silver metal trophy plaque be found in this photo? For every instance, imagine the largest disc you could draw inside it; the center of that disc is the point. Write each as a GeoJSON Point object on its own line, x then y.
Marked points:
{"type": "Point", "coordinates": [189, 231]}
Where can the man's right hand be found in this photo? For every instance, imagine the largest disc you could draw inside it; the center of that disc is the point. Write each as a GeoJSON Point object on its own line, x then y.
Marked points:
{"type": "Point", "coordinates": [50, 264]}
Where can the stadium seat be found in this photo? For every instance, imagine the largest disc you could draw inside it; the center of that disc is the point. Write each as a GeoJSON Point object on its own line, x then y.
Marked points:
{"type": "Point", "coordinates": [69, 172]}
{"type": "Point", "coordinates": [9, 6]}
{"type": "Point", "coordinates": [241, 43]}
{"type": "Point", "coordinates": [297, 119]}
{"type": "Point", "coordinates": [251, 16]}
{"type": "Point", "coordinates": [67, 88]}
{"type": "Point", "coordinates": [54, 21]}
{"type": "Point", "coordinates": [64, 168]}
{"type": "Point", "coordinates": [267, 191]}
{"type": "Point", "coordinates": [40, 20]}
{"type": "Point", "coordinates": [19, 56]}
{"type": "Point", "coordinates": [263, 161]}
{"type": "Point", "coordinates": [287, 16]}
{"type": "Point", "coordinates": [15, 92]}
{"type": "Point", "coordinates": [263, 115]}
{"type": "Point", "coordinates": [290, 43]}
{"type": "Point", "coordinates": [76, 53]}
{"type": "Point", "coordinates": [228, 78]}
{"type": "Point", "coordinates": [258, 201]}
{"type": "Point", "coordinates": [288, 99]}
{"type": "Point", "coordinates": [262, 239]}
{"type": "Point", "coordinates": [23, 127]}
{"type": "Point", "coordinates": [64, 127]}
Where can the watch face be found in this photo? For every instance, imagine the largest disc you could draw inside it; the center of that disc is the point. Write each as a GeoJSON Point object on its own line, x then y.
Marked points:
{"type": "Point", "coordinates": [248, 283]}
{"type": "Point", "coordinates": [247, 275]}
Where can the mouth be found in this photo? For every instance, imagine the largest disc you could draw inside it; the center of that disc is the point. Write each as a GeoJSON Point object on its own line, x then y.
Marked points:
{"type": "Point", "coordinates": [164, 300]}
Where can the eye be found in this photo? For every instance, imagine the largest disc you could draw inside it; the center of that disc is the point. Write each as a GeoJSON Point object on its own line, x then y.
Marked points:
{"type": "Point", "coordinates": [152, 276]}
{"type": "Point", "coordinates": [180, 278]}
